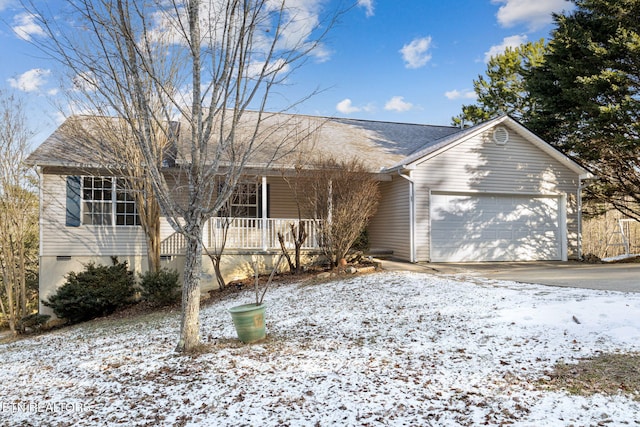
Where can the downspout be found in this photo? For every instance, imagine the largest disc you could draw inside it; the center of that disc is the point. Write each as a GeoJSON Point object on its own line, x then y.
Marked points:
{"type": "Point", "coordinates": [412, 227]}
{"type": "Point", "coordinates": [40, 233]}
{"type": "Point", "coordinates": [579, 201]}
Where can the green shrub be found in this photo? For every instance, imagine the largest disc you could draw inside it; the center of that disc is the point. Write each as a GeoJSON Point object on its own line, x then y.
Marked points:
{"type": "Point", "coordinates": [97, 291]}
{"type": "Point", "coordinates": [160, 288]}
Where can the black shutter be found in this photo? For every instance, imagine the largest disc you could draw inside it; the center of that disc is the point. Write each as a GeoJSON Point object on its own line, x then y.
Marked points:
{"type": "Point", "coordinates": [73, 201]}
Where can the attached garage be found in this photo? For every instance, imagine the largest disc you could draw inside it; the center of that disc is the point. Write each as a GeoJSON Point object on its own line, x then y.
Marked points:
{"type": "Point", "coordinates": [491, 192]}
{"type": "Point", "coordinates": [495, 228]}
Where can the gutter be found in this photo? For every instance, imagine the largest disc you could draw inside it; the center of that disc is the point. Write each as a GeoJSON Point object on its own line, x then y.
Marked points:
{"type": "Point", "coordinates": [412, 208]}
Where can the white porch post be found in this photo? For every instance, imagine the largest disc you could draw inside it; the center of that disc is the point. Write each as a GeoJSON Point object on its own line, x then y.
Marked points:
{"type": "Point", "coordinates": [263, 215]}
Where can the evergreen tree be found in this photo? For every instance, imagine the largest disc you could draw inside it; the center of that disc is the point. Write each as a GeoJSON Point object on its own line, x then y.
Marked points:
{"type": "Point", "coordinates": [502, 89]}
{"type": "Point", "coordinates": [586, 93]}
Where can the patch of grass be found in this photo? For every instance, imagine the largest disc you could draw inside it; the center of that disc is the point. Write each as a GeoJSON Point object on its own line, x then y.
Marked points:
{"type": "Point", "coordinates": [6, 336]}
{"type": "Point", "coordinates": [199, 350]}
{"type": "Point", "coordinates": [608, 374]}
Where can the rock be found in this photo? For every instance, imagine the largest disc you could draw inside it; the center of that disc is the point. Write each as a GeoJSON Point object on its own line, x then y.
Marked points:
{"type": "Point", "coordinates": [591, 259]}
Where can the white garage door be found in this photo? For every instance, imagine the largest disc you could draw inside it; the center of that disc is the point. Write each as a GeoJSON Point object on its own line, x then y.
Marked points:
{"type": "Point", "coordinates": [494, 228]}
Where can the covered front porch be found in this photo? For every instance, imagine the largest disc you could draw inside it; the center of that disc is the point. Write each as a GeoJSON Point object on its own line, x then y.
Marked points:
{"type": "Point", "coordinates": [261, 207]}
{"type": "Point", "coordinates": [249, 234]}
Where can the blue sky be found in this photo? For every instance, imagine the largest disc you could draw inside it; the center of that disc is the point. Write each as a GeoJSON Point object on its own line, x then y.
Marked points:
{"type": "Point", "coordinates": [402, 61]}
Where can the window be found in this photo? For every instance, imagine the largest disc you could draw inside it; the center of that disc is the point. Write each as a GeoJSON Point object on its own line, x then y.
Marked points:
{"type": "Point", "coordinates": [126, 210]}
{"type": "Point", "coordinates": [107, 201]}
{"type": "Point", "coordinates": [243, 203]}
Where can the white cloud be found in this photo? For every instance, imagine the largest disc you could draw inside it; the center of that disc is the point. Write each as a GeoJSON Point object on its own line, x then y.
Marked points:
{"type": "Point", "coordinates": [30, 81]}
{"type": "Point", "coordinates": [278, 66]}
{"type": "Point", "coordinates": [397, 103]}
{"type": "Point", "coordinates": [511, 41]}
{"type": "Point", "coordinates": [25, 26]}
{"type": "Point", "coordinates": [534, 13]}
{"type": "Point", "coordinates": [346, 107]}
{"type": "Point", "coordinates": [368, 6]}
{"type": "Point", "coordinates": [463, 94]}
{"type": "Point", "coordinates": [296, 26]}
{"type": "Point", "coordinates": [85, 81]}
{"type": "Point", "coordinates": [5, 4]}
{"type": "Point", "coordinates": [415, 54]}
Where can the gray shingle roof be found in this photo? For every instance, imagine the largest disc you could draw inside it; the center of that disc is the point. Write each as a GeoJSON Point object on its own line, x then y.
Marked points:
{"type": "Point", "coordinates": [69, 145]}
{"type": "Point", "coordinates": [379, 144]}
{"type": "Point", "coordinates": [436, 144]}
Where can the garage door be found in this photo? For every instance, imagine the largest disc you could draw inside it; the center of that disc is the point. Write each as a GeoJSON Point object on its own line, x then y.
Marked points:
{"type": "Point", "coordinates": [494, 228]}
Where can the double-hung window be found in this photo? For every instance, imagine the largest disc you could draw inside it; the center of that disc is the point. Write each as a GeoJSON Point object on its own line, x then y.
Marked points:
{"type": "Point", "coordinates": [244, 201]}
{"type": "Point", "coordinates": [108, 201]}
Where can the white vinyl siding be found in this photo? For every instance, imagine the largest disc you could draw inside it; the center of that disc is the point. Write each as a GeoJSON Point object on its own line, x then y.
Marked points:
{"type": "Point", "coordinates": [495, 228]}
{"type": "Point", "coordinates": [479, 165]}
{"type": "Point", "coordinates": [58, 239]}
{"type": "Point", "coordinates": [94, 240]}
{"type": "Point", "coordinates": [390, 228]}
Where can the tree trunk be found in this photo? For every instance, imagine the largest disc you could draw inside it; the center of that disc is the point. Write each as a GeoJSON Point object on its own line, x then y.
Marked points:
{"type": "Point", "coordinates": [3, 311]}
{"type": "Point", "coordinates": [11, 306]}
{"type": "Point", "coordinates": [153, 245]}
{"type": "Point", "coordinates": [285, 252]}
{"type": "Point", "coordinates": [299, 239]}
{"type": "Point", "coordinates": [190, 321]}
{"type": "Point", "coordinates": [216, 260]}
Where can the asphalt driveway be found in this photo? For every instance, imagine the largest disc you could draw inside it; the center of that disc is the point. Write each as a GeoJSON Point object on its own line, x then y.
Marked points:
{"type": "Point", "coordinates": [615, 277]}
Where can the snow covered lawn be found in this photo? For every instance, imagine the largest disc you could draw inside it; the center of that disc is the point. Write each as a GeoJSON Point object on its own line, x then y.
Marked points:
{"type": "Point", "coordinates": [380, 349]}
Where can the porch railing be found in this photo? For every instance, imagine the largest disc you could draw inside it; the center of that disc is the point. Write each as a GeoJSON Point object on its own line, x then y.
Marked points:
{"type": "Point", "coordinates": [246, 233]}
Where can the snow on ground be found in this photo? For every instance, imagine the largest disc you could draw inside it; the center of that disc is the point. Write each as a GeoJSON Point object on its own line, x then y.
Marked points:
{"type": "Point", "coordinates": [381, 349]}
{"type": "Point", "coordinates": [620, 257]}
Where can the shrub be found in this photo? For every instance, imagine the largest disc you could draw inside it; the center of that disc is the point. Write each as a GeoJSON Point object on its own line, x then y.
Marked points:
{"type": "Point", "coordinates": [161, 287]}
{"type": "Point", "coordinates": [32, 323]}
{"type": "Point", "coordinates": [343, 196]}
{"type": "Point", "coordinates": [97, 291]}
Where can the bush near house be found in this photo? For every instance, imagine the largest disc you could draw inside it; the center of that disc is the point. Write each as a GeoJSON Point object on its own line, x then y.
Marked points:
{"type": "Point", "coordinates": [160, 287]}
{"type": "Point", "coordinates": [32, 323]}
{"type": "Point", "coordinates": [97, 291]}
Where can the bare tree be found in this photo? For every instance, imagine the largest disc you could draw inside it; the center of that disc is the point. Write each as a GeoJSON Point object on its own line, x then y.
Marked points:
{"type": "Point", "coordinates": [215, 253]}
{"type": "Point", "coordinates": [343, 196]}
{"type": "Point", "coordinates": [298, 183]}
{"type": "Point", "coordinates": [220, 233]}
{"type": "Point", "coordinates": [104, 139]}
{"type": "Point", "coordinates": [205, 62]}
{"type": "Point", "coordinates": [18, 210]}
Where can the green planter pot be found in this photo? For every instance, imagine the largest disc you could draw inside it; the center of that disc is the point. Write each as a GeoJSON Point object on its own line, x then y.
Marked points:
{"type": "Point", "coordinates": [249, 322]}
